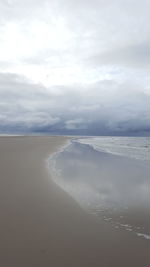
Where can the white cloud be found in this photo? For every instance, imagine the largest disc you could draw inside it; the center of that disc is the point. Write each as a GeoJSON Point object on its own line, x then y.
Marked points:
{"type": "Point", "coordinates": [75, 63]}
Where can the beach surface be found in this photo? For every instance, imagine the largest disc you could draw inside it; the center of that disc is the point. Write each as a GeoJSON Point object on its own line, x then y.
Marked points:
{"type": "Point", "coordinates": [42, 226]}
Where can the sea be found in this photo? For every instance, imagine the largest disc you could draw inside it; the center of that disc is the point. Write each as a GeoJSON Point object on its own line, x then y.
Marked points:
{"type": "Point", "coordinates": [132, 147]}
{"type": "Point", "coordinates": [109, 177]}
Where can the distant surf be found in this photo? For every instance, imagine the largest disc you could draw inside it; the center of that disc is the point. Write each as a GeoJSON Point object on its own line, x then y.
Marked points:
{"type": "Point", "coordinates": [132, 147]}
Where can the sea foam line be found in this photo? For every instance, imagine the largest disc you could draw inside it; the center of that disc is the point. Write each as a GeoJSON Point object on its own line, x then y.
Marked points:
{"type": "Point", "coordinates": [143, 235]}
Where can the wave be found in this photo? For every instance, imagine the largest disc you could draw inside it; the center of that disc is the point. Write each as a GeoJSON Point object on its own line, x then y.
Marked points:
{"type": "Point", "coordinates": [132, 147]}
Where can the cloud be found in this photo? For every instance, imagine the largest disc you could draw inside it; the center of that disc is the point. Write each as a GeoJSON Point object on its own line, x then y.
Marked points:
{"type": "Point", "coordinates": [71, 66]}
{"type": "Point", "coordinates": [105, 108]}
{"type": "Point", "coordinates": [75, 124]}
{"type": "Point", "coordinates": [136, 56]}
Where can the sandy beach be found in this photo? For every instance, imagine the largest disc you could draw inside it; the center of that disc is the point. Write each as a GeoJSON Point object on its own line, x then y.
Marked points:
{"type": "Point", "coordinates": [41, 225]}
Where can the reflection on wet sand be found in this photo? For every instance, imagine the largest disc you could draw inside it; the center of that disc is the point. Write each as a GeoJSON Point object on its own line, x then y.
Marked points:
{"type": "Point", "coordinates": [116, 189]}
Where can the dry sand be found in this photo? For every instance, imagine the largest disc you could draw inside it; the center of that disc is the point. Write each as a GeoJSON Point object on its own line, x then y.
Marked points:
{"type": "Point", "coordinates": [40, 225]}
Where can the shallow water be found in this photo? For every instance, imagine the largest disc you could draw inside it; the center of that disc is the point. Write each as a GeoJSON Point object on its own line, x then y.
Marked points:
{"type": "Point", "coordinates": [114, 188]}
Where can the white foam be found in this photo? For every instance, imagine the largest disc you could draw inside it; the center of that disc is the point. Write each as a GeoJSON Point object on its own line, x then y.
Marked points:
{"type": "Point", "coordinates": [50, 161]}
{"type": "Point", "coordinates": [135, 147]}
{"type": "Point", "coordinates": [143, 235]}
{"type": "Point", "coordinates": [126, 225]}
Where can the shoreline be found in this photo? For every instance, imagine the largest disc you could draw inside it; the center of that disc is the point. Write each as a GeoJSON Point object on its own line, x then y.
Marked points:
{"type": "Point", "coordinates": [41, 225]}
{"type": "Point", "coordinates": [112, 167]}
{"type": "Point", "coordinates": [60, 150]}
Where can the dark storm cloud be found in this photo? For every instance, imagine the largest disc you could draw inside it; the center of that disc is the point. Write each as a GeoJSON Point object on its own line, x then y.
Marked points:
{"type": "Point", "coordinates": [27, 107]}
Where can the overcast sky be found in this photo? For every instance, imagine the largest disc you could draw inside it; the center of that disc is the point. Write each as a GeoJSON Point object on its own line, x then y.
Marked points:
{"type": "Point", "coordinates": [75, 67]}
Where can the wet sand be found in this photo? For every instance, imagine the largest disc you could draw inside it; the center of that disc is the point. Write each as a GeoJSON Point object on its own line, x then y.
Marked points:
{"type": "Point", "coordinates": [41, 225]}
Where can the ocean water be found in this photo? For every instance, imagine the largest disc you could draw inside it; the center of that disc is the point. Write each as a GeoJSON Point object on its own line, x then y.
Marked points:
{"type": "Point", "coordinates": [132, 147]}
{"type": "Point", "coordinates": [110, 178]}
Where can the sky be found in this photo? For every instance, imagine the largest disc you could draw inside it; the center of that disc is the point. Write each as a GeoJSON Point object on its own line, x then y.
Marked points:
{"type": "Point", "coordinates": [75, 67]}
